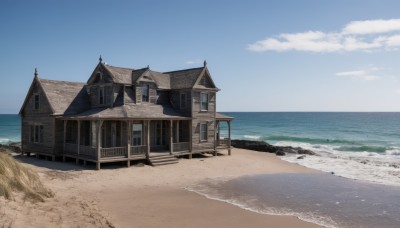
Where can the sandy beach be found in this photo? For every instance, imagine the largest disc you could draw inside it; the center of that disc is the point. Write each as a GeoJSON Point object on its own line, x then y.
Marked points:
{"type": "Point", "coordinates": [145, 196]}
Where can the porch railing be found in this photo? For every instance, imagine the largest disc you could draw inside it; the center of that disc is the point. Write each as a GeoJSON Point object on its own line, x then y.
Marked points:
{"type": "Point", "coordinates": [113, 152]}
{"type": "Point", "coordinates": [138, 150]}
{"type": "Point", "coordinates": [226, 142]}
{"type": "Point", "coordinates": [182, 146]}
{"type": "Point", "coordinates": [88, 151]}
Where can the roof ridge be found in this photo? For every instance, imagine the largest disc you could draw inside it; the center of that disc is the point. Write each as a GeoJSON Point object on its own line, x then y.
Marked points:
{"type": "Point", "coordinates": [127, 68]}
{"type": "Point", "coordinates": [52, 80]}
{"type": "Point", "coordinates": [196, 68]}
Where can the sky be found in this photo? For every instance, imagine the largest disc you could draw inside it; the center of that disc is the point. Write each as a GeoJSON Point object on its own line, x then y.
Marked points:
{"type": "Point", "coordinates": [283, 55]}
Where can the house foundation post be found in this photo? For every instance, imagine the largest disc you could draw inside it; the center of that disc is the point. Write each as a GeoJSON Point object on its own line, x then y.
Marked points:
{"type": "Point", "coordinates": [229, 137]}
{"type": "Point", "coordinates": [78, 141]}
{"type": "Point", "coordinates": [171, 138]}
{"type": "Point", "coordinates": [98, 139]}
{"type": "Point", "coordinates": [148, 140]}
{"type": "Point", "coordinates": [65, 139]}
{"type": "Point", "coordinates": [128, 140]}
{"type": "Point", "coordinates": [190, 139]}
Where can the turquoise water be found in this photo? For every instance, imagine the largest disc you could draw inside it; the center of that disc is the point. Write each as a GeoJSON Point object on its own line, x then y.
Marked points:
{"type": "Point", "coordinates": [10, 128]}
{"type": "Point", "coordinates": [351, 132]}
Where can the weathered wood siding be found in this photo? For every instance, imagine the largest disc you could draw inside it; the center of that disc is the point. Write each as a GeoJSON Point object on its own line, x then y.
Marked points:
{"type": "Point", "coordinates": [176, 101]}
{"type": "Point", "coordinates": [203, 117]}
{"type": "Point", "coordinates": [31, 116]}
{"type": "Point", "coordinates": [108, 95]}
{"type": "Point", "coordinates": [153, 96]}
{"type": "Point", "coordinates": [59, 137]}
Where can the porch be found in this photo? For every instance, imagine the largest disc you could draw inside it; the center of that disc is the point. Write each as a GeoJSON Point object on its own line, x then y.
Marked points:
{"type": "Point", "coordinates": [102, 141]}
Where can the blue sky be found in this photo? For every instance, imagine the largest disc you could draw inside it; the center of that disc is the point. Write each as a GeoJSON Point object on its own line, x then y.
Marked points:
{"type": "Point", "coordinates": [263, 55]}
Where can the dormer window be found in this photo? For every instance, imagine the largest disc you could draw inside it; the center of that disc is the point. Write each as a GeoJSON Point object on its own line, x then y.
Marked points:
{"type": "Point", "coordinates": [37, 101]}
{"type": "Point", "coordinates": [145, 93]}
{"type": "Point", "coordinates": [203, 101]}
{"type": "Point", "coordinates": [101, 95]}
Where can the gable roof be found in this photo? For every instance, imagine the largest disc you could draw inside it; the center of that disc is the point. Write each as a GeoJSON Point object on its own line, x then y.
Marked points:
{"type": "Point", "coordinates": [184, 79]}
{"type": "Point", "coordinates": [120, 74]}
{"type": "Point", "coordinates": [65, 97]}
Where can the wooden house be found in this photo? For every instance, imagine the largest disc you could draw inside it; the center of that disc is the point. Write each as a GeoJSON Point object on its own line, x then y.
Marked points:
{"type": "Point", "coordinates": [123, 114]}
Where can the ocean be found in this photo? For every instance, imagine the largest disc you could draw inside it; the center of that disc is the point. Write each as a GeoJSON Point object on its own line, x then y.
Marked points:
{"type": "Point", "coordinates": [10, 128]}
{"type": "Point", "coordinates": [362, 150]}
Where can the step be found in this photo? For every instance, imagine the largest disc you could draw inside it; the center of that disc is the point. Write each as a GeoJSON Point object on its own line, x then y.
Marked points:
{"type": "Point", "coordinates": [163, 160]}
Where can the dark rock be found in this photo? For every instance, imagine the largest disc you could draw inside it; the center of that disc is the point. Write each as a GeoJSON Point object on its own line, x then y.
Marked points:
{"type": "Point", "coordinates": [301, 157]}
{"type": "Point", "coordinates": [332, 173]}
{"type": "Point", "coordinates": [364, 162]}
{"type": "Point", "coordinates": [265, 147]}
{"type": "Point", "coordinates": [394, 166]}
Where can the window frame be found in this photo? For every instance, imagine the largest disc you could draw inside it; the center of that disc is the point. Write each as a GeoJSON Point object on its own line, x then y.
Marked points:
{"type": "Point", "coordinates": [36, 101]}
{"type": "Point", "coordinates": [147, 95]}
{"type": "Point", "coordinates": [140, 143]}
{"type": "Point", "coordinates": [36, 133]}
{"type": "Point", "coordinates": [204, 102]}
{"type": "Point", "coordinates": [101, 95]}
{"type": "Point", "coordinates": [202, 131]}
{"type": "Point", "coordinates": [183, 102]}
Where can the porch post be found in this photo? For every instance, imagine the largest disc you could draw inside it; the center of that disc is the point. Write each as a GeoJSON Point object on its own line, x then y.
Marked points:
{"type": "Point", "coordinates": [78, 141]}
{"type": "Point", "coordinates": [148, 140]}
{"type": "Point", "coordinates": [65, 134]}
{"type": "Point", "coordinates": [128, 140]}
{"type": "Point", "coordinates": [229, 137]}
{"type": "Point", "coordinates": [171, 138]}
{"type": "Point", "coordinates": [98, 138]}
{"type": "Point", "coordinates": [215, 138]}
{"type": "Point", "coordinates": [190, 138]}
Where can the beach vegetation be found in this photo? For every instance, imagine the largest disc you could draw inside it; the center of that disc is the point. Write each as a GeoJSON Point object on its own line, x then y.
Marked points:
{"type": "Point", "coordinates": [17, 178]}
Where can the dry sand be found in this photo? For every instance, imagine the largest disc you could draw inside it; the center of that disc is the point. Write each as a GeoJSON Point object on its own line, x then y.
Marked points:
{"type": "Point", "coordinates": [145, 196]}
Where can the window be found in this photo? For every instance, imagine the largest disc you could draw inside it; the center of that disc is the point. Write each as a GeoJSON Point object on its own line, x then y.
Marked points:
{"type": "Point", "coordinates": [183, 100]}
{"type": "Point", "coordinates": [36, 133]}
{"type": "Point", "coordinates": [145, 93]}
{"type": "Point", "coordinates": [101, 95]}
{"type": "Point", "coordinates": [37, 101]}
{"type": "Point", "coordinates": [203, 101]}
{"type": "Point", "coordinates": [203, 132]}
{"type": "Point", "coordinates": [137, 134]}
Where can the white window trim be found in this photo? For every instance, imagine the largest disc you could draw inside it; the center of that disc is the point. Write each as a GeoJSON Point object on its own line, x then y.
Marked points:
{"type": "Point", "coordinates": [201, 132]}
{"type": "Point", "coordinates": [201, 102]}
{"type": "Point", "coordinates": [141, 134]}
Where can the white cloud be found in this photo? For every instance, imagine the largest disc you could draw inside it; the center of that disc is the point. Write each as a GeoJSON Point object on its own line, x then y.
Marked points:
{"type": "Point", "coordinates": [355, 36]}
{"type": "Point", "coordinates": [372, 26]}
{"type": "Point", "coordinates": [366, 74]}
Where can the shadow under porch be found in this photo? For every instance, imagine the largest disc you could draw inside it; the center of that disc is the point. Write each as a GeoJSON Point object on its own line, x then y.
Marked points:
{"type": "Point", "coordinates": [102, 141]}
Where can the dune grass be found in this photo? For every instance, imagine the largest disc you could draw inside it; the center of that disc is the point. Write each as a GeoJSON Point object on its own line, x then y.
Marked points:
{"type": "Point", "coordinates": [15, 177]}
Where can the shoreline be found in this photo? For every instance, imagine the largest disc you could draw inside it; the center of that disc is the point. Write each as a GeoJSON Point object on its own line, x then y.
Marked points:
{"type": "Point", "coordinates": [155, 196]}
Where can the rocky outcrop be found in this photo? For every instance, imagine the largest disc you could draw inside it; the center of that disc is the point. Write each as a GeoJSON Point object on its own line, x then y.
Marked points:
{"type": "Point", "coordinates": [266, 147]}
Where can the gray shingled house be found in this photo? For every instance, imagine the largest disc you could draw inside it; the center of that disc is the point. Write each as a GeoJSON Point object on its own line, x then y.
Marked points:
{"type": "Point", "coordinates": [124, 114]}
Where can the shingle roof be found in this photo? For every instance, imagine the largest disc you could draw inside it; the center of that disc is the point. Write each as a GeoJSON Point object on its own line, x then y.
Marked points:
{"type": "Point", "coordinates": [66, 97]}
{"type": "Point", "coordinates": [220, 116]}
{"type": "Point", "coordinates": [184, 79]}
{"type": "Point", "coordinates": [129, 111]}
{"type": "Point", "coordinates": [120, 74]}
{"type": "Point", "coordinates": [162, 80]}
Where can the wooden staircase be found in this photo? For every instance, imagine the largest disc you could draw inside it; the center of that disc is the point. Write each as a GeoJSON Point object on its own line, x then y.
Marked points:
{"type": "Point", "coordinates": [165, 159]}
